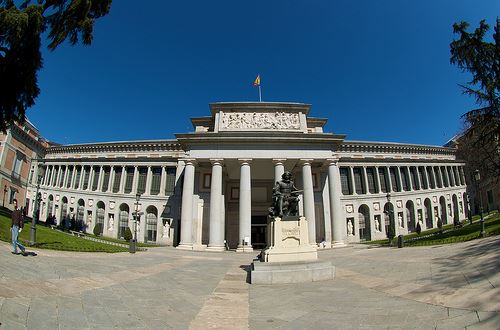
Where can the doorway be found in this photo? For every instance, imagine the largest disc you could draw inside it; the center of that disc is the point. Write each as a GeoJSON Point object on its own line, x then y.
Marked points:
{"type": "Point", "coordinates": [259, 231]}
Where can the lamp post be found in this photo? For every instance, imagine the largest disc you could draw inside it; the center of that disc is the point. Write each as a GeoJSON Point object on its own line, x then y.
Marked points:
{"type": "Point", "coordinates": [4, 193]}
{"type": "Point", "coordinates": [477, 178]}
{"type": "Point", "coordinates": [137, 217]}
{"type": "Point", "coordinates": [36, 210]}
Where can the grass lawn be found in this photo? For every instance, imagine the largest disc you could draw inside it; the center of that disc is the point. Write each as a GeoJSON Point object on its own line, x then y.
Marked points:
{"type": "Point", "coordinates": [466, 233]}
{"type": "Point", "coordinates": [122, 241]}
{"type": "Point", "coordinates": [48, 238]}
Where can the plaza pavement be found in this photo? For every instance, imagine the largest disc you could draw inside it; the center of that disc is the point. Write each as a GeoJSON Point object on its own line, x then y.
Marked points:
{"type": "Point", "coordinates": [439, 287]}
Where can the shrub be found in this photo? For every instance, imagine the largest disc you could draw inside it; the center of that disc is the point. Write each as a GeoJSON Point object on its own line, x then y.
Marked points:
{"type": "Point", "coordinates": [128, 234]}
{"type": "Point", "coordinates": [98, 229]}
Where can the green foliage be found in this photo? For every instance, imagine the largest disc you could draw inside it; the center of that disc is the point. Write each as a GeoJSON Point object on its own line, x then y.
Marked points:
{"type": "Point", "coordinates": [471, 53]}
{"type": "Point", "coordinates": [98, 229]}
{"type": "Point", "coordinates": [48, 238]}
{"type": "Point", "coordinates": [21, 27]}
{"type": "Point", "coordinates": [127, 235]}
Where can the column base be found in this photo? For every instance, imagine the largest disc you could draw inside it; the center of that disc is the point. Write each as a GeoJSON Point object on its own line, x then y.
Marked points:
{"type": "Point", "coordinates": [338, 244]}
{"type": "Point", "coordinates": [199, 247]}
{"type": "Point", "coordinates": [184, 246]}
{"type": "Point", "coordinates": [246, 248]}
{"type": "Point", "coordinates": [216, 248]}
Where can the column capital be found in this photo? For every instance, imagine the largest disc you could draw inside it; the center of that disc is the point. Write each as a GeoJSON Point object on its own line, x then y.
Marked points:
{"type": "Point", "coordinates": [186, 161]}
{"type": "Point", "coordinates": [216, 161]}
{"type": "Point", "coordinates": [244, 161]}
{"type": "Point", "coordinates": [306, 161]}
{"type": "Point", "coordinates": [333, 161]}
{"type": "Point", "coordinates": [277, 161]}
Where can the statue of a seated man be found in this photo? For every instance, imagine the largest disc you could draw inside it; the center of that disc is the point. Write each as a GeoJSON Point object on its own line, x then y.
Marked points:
{"type": "Point", "coordinates": [285, 198]}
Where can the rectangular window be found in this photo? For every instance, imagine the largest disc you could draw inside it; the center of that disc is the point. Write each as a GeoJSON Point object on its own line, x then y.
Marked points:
{"type": "Point", "coordinates": [443, 175]}
{"type": "Point", "coordinates": [421, 175]}
{"type": "Point", "coordinates": [489, 193]}
{"type": "Point", "coordinates": [77, 177]}
{"type": "Point", "coordinates": [207, 178]}
{"type": "Point", "coordinates": [118, 179]}
{"type": "Point", "coordinates": [170, 181]}
{"type": "Point", "coordinates": [437, 175]}
{"type": "Point", "coordinates": [344, 181]}
{"type": "Point", "coordinates": [107, 174]}
{"type": "Point", "coordinates": [55, 172]}
{"type": "Point", "coordinates": [156, 180]}
{"type": "Point", "coordinates": [394, 181]}
{"type": "Point", "coordinates": [129, 180]}
{"type": "Point", "coordinates": [432, 183]}
{"type": "Point", "coordinates": [95, 181]}
{"type": "Point", "coordinates": [18, 162]}
{"type": "Point", "coordinates": [141, 183]}
{"type": "Point", "coordinates": [414, 178]}
{"type": "Point", "coordinates": [371, 180]}
{"type": "Point", "coordinates": [358, 183]}
{"type": "Point", "coordinates": [86, 174]}
{"type": "Point", "coordinates": [383, 180]}
{"type": "Point", "coordinates": [32, 172]}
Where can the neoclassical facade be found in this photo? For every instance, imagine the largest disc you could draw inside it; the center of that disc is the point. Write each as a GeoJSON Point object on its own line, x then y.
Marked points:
{"type": "Point", "coordinates": [211, 188]}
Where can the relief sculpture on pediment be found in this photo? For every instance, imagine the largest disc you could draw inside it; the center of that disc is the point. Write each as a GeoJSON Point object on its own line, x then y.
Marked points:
{"type": "Point", "coordinates": [260, 120]}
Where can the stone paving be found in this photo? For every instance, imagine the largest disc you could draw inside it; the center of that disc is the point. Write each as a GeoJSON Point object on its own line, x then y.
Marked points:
{"type": "Point", "coordinates": [440, 287]}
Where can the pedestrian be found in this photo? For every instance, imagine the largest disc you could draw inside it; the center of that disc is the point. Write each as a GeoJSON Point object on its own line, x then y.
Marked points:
{"type": "Point", "coordinates": [17, 227]}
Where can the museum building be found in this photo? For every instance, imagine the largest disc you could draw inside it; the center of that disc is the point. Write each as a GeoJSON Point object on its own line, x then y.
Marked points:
{"type": "Point", "coordinates": [212, 188]}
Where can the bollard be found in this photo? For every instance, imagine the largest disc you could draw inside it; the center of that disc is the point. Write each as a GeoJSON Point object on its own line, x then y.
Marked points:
{"type": "Point", "coordinates": [400, 241]}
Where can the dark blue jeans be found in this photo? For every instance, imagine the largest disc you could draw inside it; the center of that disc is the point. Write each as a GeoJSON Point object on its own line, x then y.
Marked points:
{"type": "Point", "coordinates": [15, 243]}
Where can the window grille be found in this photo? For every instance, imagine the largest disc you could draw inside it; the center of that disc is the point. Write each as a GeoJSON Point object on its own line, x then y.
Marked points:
{"type": "Point", "coordinates": [71, 170]}
{"type": "Point", "coordinates": [86, 174]}
{"type": "Point", "coordinates": [358, 183]}
{"type": "Point", "coordinates": [77, 177]}
{"type": "Point", "coordinates": [344, 181]}
{"type": "Point", "coordinates": [151, 225]}
{"type": "Point", "coordinates": [129, 179]}
{"type": "Point", "coordinates": [141, 183]}
{"type": "Point", "coordinates": [170, 181]}
{"type": "Point", "coordinates": [155, 181]}
{"type": "Point", "coordinates": [95, 180]}
{"type": "Point", "coordinates": [118, 179]}
{"type": "Point", "coordinates": [105, 183]}
{"type": "Point", "coordinates": [382, 179]}
{"type": "Point", "coordinates": [123, 221]}
{"type": "Point", "coordinates": [371, 180]}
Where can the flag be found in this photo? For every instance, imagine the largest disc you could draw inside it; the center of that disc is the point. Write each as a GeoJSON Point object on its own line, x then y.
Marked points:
{"type": "Point", "coordinates": [257, 81]}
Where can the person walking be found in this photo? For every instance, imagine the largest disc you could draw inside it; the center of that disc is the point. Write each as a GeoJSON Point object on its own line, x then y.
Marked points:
{"type": "Point", "coordinates": [17, 227]}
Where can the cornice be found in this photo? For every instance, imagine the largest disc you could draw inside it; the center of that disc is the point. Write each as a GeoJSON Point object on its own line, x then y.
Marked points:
{"type": "Point", "coordinates": [27, 140]}
{"type": "Point", "coordinates": [381, 147]}
{"type": "Point", "coordinates": [133, 146]}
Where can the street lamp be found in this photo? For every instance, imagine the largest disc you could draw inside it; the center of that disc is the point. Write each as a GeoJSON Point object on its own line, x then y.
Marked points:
{"type": "Point", "coordinates": [137, 217]}
{"type": "Point", "coordinates": [4, 193]}
{"type": "Point", "coordinates": [36, 210]}
{"type": "Point", "coordinates": [477, 178]}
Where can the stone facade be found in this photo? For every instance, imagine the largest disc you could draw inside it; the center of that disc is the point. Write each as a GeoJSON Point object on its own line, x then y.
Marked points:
{"type": "Point", "coordinates": [211, 189]}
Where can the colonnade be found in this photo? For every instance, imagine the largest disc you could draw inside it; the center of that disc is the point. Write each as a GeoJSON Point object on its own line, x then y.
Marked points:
{"type": "Point", "coordinates": [217, 219]}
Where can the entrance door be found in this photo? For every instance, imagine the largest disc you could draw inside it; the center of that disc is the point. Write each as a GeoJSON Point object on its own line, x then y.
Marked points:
{"type": "Point", "coordinates": [259, 231]}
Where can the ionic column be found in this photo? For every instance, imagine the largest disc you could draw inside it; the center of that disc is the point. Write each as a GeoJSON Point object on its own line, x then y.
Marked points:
{"type": "Point", "coordinates": [462, 176]}
{"type": "Point", "coordinates": [417, 174]}
{"type": "Point", "coordinates": [407, 170]}
{"type": "Point", "coordinates": [111, 178]}
{"type": "Point", "coordinates": [100, 180]}
{"type": "Point", "coordinates": [452, 175]}
{"type": "Point", "coordinates": [187, 207]}
{"type": "Point", "coordinates": [82, 176]}
{"type": "Point", "coordinates": [91, 178]}
{"type": "Point", "coordinates": [388, 172]}
{"type": "Point", "coordinates": [279, 169]}
{"type": "Point", "coordinates": [446, 177]}
{"type": "Point", "coordinates": [399, 183]}
{"type": "Point", "coordinates": [66, 177]}
{"type": "Point", "coordinates": [365, 181]}
{"type": "Point", "coordinates": [351, 178]}
{"type": "Point", "coordinates": [149, 177]}
{"type": "Point", "coordinates": [377, 178]}
{"type": "Point", "coordinates": [135, 181]}
{"type": "Point", "coordinates": [216, 235]}
{"type": "Point", "coordinates": [309, 199]}
{"type": "Point", "coordinates": [73, 178]}
{"type": "Point", "coordinates": [58, 176]}
{"type": "Point", "coordinates": [123, 179]}
{"type": "Point", "coordinates": [336, 213]}
{"type": "Point", "coordinates": [245, 207]}
{"type": "Point", "coordinates": [163, 181]}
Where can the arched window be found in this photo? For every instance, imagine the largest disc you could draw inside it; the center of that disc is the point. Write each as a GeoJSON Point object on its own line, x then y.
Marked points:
{"type": "Point", "coordinates": [364, 223]}
{"type": "Point", "coordinates": [123, 220]}
{"type": "Point", "coordinates": [100, 215]}
{"type": "Point", "coordinates": [151, 224]}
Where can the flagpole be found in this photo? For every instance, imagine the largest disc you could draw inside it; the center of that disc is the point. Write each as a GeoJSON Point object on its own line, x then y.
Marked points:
{"type": "Point", "coordinates": [260, 95]}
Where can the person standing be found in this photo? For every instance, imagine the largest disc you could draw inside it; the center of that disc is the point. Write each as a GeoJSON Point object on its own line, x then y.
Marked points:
{"type": "Point", "coordinates": [17, 227]}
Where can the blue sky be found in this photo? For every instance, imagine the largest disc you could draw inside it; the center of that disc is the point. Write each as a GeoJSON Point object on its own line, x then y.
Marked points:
{"type": "Point", "coordinates": [378, 70]}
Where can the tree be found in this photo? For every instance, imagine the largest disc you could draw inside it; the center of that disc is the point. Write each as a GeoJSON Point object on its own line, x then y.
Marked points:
{"type": "Point", "coordinates": [21, 27]}
{"type": "Point", "coordinates": [480, 140]}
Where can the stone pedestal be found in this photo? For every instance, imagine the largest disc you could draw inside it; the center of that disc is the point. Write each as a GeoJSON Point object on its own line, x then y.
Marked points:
{"type": "Point", "coordinates": [289, 258]}
{"type": "Point", "coordinates": [288, 241]}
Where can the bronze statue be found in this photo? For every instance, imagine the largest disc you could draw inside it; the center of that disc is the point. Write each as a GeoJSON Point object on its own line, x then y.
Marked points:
{"type": "Point", "coordinates": [285, 198]}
